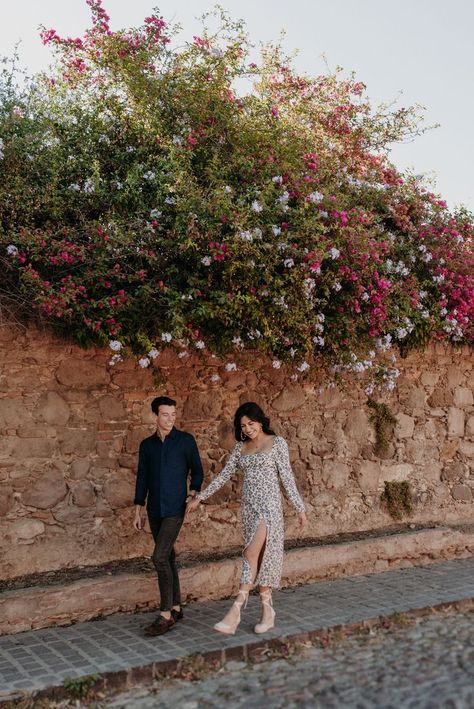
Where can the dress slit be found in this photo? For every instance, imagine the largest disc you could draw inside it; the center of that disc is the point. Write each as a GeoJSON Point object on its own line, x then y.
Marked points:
{"type": "Point", "coordinates": [246, 568]}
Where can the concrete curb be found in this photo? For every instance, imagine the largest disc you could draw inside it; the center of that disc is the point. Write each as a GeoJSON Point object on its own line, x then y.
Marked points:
{"type": "Point", "coordinates": [125, 679]}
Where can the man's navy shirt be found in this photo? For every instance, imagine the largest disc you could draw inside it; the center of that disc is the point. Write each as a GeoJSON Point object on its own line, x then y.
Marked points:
{"type": "Point", "coordinates": [163, 469]}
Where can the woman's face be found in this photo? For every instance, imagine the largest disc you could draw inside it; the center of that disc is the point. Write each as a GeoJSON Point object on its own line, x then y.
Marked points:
{"type": "Point", "coordinates": [250, 428]}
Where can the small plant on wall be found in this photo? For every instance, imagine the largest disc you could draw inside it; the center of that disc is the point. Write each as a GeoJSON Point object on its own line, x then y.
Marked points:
{"type": "Point", "coordinates": [397, 498]}
{"type": "Point", "coordinates": [384, 422]}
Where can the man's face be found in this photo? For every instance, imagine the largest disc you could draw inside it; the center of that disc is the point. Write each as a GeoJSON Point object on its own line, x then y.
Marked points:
{"type": "Point", "coordinates": [166, 417]}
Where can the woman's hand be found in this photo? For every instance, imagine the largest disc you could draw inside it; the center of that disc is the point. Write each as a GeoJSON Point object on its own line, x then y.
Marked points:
{"type": "Point", "coordinates": [303, 520]}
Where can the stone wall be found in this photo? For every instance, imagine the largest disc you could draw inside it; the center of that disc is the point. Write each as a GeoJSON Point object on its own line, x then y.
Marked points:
{"type": "Point", "coordinates": [70, 427]}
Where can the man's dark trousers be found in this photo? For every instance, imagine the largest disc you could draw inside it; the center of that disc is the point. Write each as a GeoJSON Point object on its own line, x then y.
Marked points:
{"type": "Point", "coordinates": [165, 531]}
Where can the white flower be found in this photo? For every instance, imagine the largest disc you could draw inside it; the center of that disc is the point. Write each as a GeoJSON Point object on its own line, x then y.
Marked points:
{"type": "Point", "coordinates": [215, 378]}
{"type": "Point", "coordinates": [104, 139]}
{"type": "Point", "coordinates": [365, 296]}
{"type": "Point", "coordinates": [276, 230]}
{"type": "Point", "coordinates": [119, 185]}
{"type": "Point", "coordinates": [319, 341]}
{"type": "Point", "coordinates": [114, 359]}
{"type": "Point", "coordinates": [246, 236]}
{"type": "Point", "coordinates": [257, 233]}
{"type": "Point", "coordinates": [207, 260]}
{"type": "Point", "coordinates": [443, 311]}
{"type": "Point", "coordinates": [169, 200]}
{"type": "Point", "coordinates": [336, 286]}
{"type": "Point", "coordinates": [283, 199]}
{"type": "Point", "coordinates": [182, 354]}
{"type": "Point", "coordinates": [74, 187]}
{"type": "Point", "coordinates": [237, 341]}
{"type": "Point", "coordinates": [303, 367]}
{"type": "Point", "coordinates": [320, 317]}
{"type": "Point", "coordinates": [439, 279]}
{"type": "Point", "coordinates": [228, 189]}
{"type": "Point", "coordinates": [230, 367]}
{"type": "Point", "coordinates": [166, 336]}
{"type": "Point", "coordinates": [115, 345]}
{"type": "Point", "coordinates": [130, 149]}
{"type": "Point", "coordinates": [200, 345]}
{"type": "Point", "coordinates": [153, 353]}
{"type": "Point", "coordinates": [401, 333]}
{"type": "Point", "coordinates": [149, 175]}
{"type": "Point", "coordinates": [256, 206]}
{"type": "Point", "coordinates": [89, 186]}
{"type": "Point", "coordinates": [155, 214]}
{"type": "Point", "coordinates": [292, 351]}
{"type": "Point", "coordinates": [276, 364]}
{"type": "Point", "coordinates": [177, 140]}
{"type": "Point", "coordinates": [425, 314]}
{"type": "Point", "coordinates": [323, 214]}
{"type": "Point", "coordinates": [288, 263]}
{"type": "Point", "coordinates": [278, 179]}
{"type": "Point", "coordinates": [316, 197]}
{"type": "Point", "coordinates": [334, 253]}
{"type": "Point", "coordinates": [12, 250]}
{"type": "Point", "coordinates": [144, 362]}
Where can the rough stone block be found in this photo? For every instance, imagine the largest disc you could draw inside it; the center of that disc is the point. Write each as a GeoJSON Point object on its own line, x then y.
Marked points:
{"type": "Point", "coordinates": [78, 441]}
{"type": "Point", "coordinates": [462, 492]}
{"type": "Point", "coordinates": [368, 475]}
{"type": "Point", "coordinates": [358, 426]}
{"type": "Point", "coordinates": [399, 471]}
{"type": "Point", "coordinates": [463, 397]}
{"type": "Point", "coordinates": [13, 413]}
{"type": "Point", "coordinates": [26, 529]}
{"type": "Point", "coordinates": [119, 491]}
{"type": "Point", "coordinates": [82, 373]}
{"type": "Point", "coordinates": [335, 474]}
{"type": "Point", "coordinates": [405, 426]}
{"type": "Point", "coordinates": [24, 448]}
{"type": "Point", "coordinates": [52, 409]}
{"type": "Point", "coordinates": [46, 492]}
{"type": "Point", "coordinates": [452, 471]}
{"type": "Point", "coordinates": [455, 422]}
{"type": "Point", "coordinates": [111, 408]}
{"type": "Point", "coordinates": [83, 494]}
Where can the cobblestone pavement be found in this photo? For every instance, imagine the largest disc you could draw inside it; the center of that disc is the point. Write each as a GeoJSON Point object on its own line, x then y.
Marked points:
{"type": "Point", "coordinates": [426, 665]}
{"type": "Point", "coordinates": [43, 658]}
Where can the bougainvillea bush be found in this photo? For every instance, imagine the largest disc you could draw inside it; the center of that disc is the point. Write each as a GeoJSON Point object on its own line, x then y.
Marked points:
{"type": "Point", "coordinates": [193, 196]}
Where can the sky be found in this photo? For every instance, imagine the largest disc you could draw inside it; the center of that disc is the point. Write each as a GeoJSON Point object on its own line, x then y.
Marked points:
{"type": "Point", "coordinates": [409, 51]}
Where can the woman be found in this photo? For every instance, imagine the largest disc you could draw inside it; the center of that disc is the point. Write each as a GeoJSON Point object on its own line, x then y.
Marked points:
{"type": "Point", "coordinates": [264, 459]}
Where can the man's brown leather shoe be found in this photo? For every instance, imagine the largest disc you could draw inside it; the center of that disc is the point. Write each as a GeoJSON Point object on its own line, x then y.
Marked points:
{"type": "Point", "coordinates": [159, 626]}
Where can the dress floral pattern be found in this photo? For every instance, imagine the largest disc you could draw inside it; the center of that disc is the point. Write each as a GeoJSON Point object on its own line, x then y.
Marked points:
{"type": "Point", "coordinates": [261, 501]}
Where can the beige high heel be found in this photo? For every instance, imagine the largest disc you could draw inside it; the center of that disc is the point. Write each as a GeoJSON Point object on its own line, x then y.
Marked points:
{"type": "Point", "coordinates": [262, 627]}
{"type": "Point", "coordinates": [230, 628]}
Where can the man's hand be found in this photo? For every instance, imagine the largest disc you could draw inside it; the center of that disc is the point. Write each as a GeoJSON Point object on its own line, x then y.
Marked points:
{"type": "Point", "coordinates": [303, 520]}
{"type": "Point", "coordinates": [137, 520]}
{"type": "Point", "coordinates": [192, 505]}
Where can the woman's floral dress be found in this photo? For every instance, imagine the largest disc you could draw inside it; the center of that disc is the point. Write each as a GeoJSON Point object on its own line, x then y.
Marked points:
{"type": "Point", "coordinates": [261, 501]}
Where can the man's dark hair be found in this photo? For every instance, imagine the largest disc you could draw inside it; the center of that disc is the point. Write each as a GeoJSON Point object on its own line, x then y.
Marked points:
{"type": "Point", "coordinates": [161, 401]}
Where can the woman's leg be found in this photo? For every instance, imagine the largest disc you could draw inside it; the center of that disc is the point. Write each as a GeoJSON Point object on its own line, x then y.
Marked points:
{"type": "Point", "coordinates": [252, 554]}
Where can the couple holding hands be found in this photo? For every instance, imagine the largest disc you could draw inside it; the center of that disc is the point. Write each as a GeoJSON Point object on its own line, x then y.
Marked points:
{"type": "Point", "coordinates": [168, 458]}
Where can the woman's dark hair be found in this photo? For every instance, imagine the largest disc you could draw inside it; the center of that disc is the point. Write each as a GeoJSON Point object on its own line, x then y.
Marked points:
{"type": "Point", "coordinates": [254, 413]}
{"type": "Point", "coordinates": [161, 401]}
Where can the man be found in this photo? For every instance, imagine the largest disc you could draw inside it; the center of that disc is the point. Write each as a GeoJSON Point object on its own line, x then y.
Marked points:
{"type": "Point", "coordinates": [165, 460]}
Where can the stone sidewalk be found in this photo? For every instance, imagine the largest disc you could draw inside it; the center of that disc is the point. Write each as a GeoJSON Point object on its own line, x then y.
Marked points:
{"type": "Point", "coordinates": [116, 648]}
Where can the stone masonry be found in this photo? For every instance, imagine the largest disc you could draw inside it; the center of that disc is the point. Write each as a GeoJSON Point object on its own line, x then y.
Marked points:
{"type": "Point", "coordinates": [70, 426]}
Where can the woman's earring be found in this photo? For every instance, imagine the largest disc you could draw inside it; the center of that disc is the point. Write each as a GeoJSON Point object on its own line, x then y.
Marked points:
{"type": "Point", "coordinates": [242, 436]}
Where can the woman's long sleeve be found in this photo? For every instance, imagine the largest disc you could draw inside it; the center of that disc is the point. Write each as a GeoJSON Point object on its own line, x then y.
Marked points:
{"type": "Point", "coordinates": [286, 474]}
{"type": "Point", "coordinates": [226, 473]}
